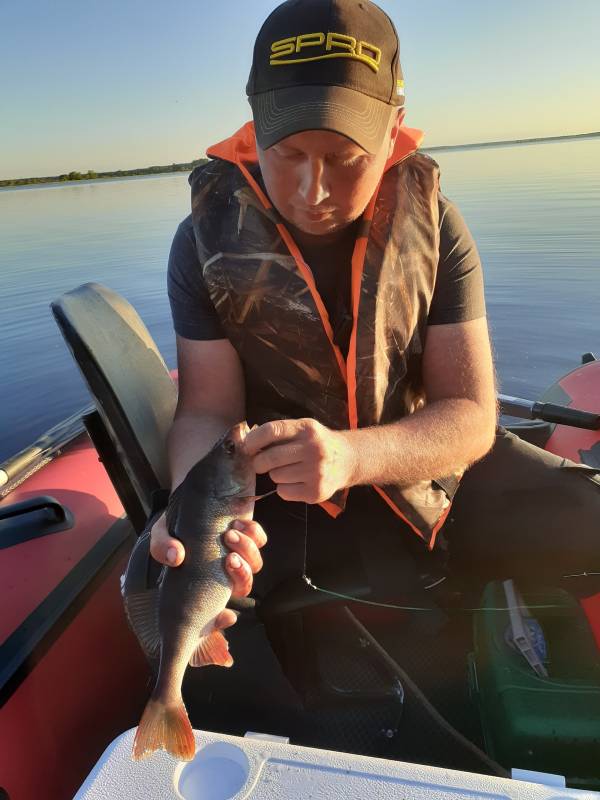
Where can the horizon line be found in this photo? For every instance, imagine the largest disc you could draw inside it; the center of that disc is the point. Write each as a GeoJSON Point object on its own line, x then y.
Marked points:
{"type": "Point", "coordinates": [180, 167]}
{"type": "Point", "coordinates": [501, 142]}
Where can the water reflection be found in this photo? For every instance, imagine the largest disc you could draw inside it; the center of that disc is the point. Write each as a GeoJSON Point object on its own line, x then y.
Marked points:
{"type": "Point", "coordinates": [533, 210]}
{"type": "Point", "coordinates": [534, 213]}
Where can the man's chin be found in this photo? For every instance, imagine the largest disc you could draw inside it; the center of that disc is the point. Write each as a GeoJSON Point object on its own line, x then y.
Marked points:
{"type": "Point", "coordinates": [319, 227]}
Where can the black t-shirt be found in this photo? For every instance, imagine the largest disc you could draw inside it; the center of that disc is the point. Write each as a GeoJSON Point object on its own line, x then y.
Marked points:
{"type": "Point", "coordinates": [458, 294]}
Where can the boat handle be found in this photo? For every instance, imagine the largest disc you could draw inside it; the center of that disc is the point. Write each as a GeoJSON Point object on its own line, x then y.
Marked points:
{"type": "Point", "coordinates": [31, 519]}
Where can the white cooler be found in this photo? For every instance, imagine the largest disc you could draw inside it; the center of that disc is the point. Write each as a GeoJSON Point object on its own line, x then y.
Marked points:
{"type": "Point", "coordinates": [262, 767]}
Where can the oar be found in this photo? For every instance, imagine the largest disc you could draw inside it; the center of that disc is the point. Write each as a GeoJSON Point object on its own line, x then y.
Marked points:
{"type": "Point", "coordinates": [549, 412]}
{"type": "Point", "coordinates": [42, 450]}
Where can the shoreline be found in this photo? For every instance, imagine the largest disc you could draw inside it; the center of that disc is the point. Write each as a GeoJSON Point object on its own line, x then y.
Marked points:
{"type": "Point", "coordinates": [91, 176]}
{"type": "Point", "coordinates": [53, 184]}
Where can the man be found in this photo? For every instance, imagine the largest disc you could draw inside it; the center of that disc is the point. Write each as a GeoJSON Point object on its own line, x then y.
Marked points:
{"type": "Point", "coordinates": [324, 289]}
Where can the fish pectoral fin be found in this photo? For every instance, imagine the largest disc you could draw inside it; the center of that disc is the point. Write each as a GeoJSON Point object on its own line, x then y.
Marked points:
{"type": "Point", "coordinates": [212, 649]}
{"type": "Point", "coordinates": [142, 612]}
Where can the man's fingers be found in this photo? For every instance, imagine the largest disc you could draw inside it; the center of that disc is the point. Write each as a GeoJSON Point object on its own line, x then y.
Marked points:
{"type": "Point", "coordinates": [251, 528]}
{"type": "Point", "coordinates": [245, 548]}
{"type": "Point", "coordinates": [163, 547]}
{"type": "Point", "coordinates": [240, 574]}
{"type": "Point", "coordinates": [277, 456]}
{"type": "Point", "coordinates": [292, 473]}
{"type": "Point", "coordinates": [225, 619]}
{"type": "Point", "coordinates": [293, 491]}
{"type": "Point", "coordinates": [269, 433]}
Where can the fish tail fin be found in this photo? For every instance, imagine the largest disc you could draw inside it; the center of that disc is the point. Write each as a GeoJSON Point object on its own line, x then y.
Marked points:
{"type": "Point", "coordinates": [164, 726]}
{"type": "Point", "coordinates": [212, 649]}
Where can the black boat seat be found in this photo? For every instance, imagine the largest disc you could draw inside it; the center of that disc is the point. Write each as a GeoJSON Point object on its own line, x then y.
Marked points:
{"type": "Point", "coordinates": [134, 394]}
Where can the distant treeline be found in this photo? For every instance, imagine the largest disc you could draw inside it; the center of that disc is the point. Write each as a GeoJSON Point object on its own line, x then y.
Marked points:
{"type": "Point", "coordinates": [92, 175]}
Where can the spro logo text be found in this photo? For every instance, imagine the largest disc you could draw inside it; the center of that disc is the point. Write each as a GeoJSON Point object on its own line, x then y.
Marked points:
{"type": "Point", "coordinates": [297, 49]}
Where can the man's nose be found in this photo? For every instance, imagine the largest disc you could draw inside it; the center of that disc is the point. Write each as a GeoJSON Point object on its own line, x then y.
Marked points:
{"type": "Point", "coordinates": [313, 187]}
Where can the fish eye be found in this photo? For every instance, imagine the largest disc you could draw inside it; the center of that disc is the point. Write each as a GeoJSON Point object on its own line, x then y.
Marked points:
{"type": "Point", "coordinates": [229, 447]}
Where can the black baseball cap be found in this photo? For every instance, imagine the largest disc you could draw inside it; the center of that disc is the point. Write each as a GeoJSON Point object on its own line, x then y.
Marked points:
{"type": "Point", "coordinates": [325, 64]}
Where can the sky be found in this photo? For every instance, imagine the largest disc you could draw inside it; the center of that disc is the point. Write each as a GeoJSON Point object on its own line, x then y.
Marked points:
{"type": "Point", "coordinates": [117, 84]}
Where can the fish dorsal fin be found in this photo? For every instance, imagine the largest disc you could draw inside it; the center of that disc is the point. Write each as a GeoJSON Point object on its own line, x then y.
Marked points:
{"type": "Point", "coordinates": [140, 587]}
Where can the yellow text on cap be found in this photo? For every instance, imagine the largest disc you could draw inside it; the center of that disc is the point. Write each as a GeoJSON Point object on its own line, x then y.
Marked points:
{"type": "Point", "coordinates": [335, 45]}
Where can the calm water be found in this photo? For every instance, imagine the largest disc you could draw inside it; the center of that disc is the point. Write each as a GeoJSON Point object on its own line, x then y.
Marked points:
{"type": "Point", "coordinates": [534, 211]}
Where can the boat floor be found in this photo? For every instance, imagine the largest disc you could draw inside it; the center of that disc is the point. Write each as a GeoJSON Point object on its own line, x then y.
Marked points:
{"type": "Point", "coordinates": [339, 696]}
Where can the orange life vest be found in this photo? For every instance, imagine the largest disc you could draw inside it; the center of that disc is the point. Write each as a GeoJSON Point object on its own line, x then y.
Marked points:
{"type": "Point", "coordinates": [269, 306]}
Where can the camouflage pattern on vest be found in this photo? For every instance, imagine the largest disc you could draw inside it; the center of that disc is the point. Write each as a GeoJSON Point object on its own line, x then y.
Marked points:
{"type": "Point", "coordinates": [272, 319]}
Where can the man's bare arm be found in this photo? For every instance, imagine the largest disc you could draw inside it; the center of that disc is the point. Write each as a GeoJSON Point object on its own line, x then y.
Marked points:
{"type": "Point", "coordinates": [210, 400]}
{"type": "Point", "coordinates": [454, 429]}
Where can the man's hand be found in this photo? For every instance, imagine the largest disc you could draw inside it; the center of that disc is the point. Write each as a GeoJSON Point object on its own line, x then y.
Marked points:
{"type": "Point", "coordinates": [244, 538]}
{"type": "Point", "coordinates": [306, 460]}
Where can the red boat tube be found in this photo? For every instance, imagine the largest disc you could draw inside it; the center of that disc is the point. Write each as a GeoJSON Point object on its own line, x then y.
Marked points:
{"type": "Point", "coordinates": [72, 675]}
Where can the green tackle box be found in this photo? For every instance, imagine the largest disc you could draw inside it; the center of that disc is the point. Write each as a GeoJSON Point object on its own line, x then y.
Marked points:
{"type": "Point", "coordinates": [549, 724]}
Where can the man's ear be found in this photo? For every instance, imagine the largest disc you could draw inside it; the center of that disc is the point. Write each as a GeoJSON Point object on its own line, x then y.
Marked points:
{"type": "Point", "coordinates": [399, 119]}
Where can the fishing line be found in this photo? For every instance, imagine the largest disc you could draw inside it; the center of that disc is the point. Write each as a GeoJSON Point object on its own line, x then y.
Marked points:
{"type": "Point", "coordinates": [341, 596]}
{"type": "Point", "coordinates": [256, 497]}
{"type": "Point", "coordinates": [581, 575]}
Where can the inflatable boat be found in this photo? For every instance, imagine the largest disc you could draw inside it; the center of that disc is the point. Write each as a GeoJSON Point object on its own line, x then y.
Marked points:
{"type": "Point", "coordinates": [73, 677]}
